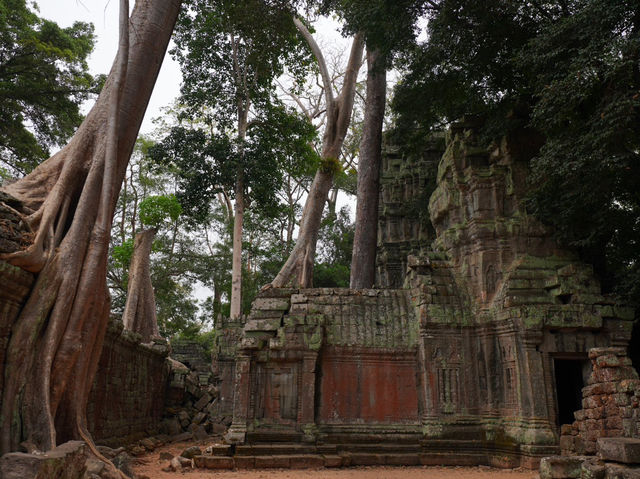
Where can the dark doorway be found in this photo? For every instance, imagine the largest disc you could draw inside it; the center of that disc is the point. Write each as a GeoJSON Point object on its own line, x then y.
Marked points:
{"type": "Point", "coordinates": [571, 375]}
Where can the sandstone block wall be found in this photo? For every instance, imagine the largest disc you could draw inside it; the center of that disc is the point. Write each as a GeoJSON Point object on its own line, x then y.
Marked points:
{"type": "Point", "coordinates": [610, 404]}
{"type": "Point", "coordinates": [128, 395]}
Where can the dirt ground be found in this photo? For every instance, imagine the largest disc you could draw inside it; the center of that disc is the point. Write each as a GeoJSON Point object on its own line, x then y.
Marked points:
{"type": "Point", "coordinates": [151, 466]}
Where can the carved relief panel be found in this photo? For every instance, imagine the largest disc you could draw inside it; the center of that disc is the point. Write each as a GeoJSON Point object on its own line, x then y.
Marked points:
{"type": "Point", "coordinates": [447, 360]}
{"type": "Point", "coordinates": [509, 375]}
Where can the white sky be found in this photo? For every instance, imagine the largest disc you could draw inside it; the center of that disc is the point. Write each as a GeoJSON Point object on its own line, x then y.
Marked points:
{"type": "Point", "coordinates": [104, 16]}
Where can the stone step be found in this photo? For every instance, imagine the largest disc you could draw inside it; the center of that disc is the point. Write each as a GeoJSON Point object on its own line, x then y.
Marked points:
{"type": "Point", "coordinates": [274, 449]}
{"type": "Point", "coordinates": [279, 437]}
{"type": "Point", "coordinates": [308, 461]}
{"type": "Point", "coordinates": [381, 448]}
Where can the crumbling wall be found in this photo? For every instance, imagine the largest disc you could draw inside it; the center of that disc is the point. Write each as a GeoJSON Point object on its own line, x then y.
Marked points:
{"type": "Point", "coordinates": [127, 399]}
{"type": "Point", "coordinates": [225, 350]}
{"type": "Point", "coordinates": [610, 404]}
{"type": "Point", "coordinates": [128, 393]}
{"type": "Point", "coordinates": [194, 356]}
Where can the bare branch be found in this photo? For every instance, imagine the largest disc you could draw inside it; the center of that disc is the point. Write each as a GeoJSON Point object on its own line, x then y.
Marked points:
{"type": "Point", "coordinates": [326, 79]}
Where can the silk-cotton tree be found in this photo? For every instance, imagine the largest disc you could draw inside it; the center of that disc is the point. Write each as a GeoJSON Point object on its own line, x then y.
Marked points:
{"type": "Point", "coordinates": [68, 202]}
{"type": "Point", "coordinates": [231, 52]}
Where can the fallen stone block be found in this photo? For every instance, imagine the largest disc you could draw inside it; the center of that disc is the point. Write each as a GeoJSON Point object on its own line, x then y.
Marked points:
{"type": "Point", "coordinates": [199, 432]}
{"type": "Point", "coordinates": [592, 469]}
{"type": "Point", "coordinates": [561, 467]}
{"type": "Point", "coordinates": [191, 452]}
{"type": "Point", "coordinates": [198, 418]}
{"type": "Point", "coordinates": [66, 460]}
{"type": "Point", "coordinates": [203, 401]}
{"type": "Point", "coordinates": [185, 436]}
{"type": "Point", "coordinates": [619, 449]}
{"type": "Point", "coordinates": [619, 471]}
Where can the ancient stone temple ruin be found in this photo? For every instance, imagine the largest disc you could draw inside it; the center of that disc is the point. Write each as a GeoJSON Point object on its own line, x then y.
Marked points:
{"type": "Point", "coordinates": [472, 350]}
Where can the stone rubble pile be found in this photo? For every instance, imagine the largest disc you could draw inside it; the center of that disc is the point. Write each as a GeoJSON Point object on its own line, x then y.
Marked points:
{"type": "Point", "coordinates": [617, 458]}
{"type": "Point", "coordinates": [193, 408]}
{"type": "Point", "coordinates": [610, 404]}
{"type": "Point", "coordinates": [604, 440]}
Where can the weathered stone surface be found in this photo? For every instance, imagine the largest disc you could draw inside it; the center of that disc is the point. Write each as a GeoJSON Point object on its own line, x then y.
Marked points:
{"type": "Point", "coordinates": [461, 361]}
{"type": "Point", "coordinates": [619, 449]}
{"type": "Point", "coordinates": [560, 467]}
{"type": "Point", "coordinates": [116, 411]}
{"type": "Point", "coordinates": [609, 405]}
{"type": "Point", "coordinates": [199, 432]}
{"type": "Point", "coordinates": [66, 461]}
{"type": "Point", "coordinates": [203, 401]}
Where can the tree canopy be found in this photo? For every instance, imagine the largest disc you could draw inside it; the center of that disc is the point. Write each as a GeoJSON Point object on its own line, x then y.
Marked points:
{"type": "Point", "coordinates": [44, 78]}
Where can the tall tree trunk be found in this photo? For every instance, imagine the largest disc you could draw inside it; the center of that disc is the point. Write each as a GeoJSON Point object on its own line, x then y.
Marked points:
{"type": "Point", "coordinates": [69, 202]}
{"type": "Point", "coordinates": [236, 260]}
{"type": "Point", "coordinates": [139, 313]}
{"type": "Point", "coordinates": [298, 269]}
{"type": "Point", "coordinates": [363, 260]}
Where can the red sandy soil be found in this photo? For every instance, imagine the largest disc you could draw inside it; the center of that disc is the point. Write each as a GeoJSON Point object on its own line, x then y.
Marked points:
{"type": "Point", "coordinates": [151, 466]}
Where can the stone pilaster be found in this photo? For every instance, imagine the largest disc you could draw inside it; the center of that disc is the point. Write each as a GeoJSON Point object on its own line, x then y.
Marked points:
{"type": "Point", "coordinates": [238, 430]}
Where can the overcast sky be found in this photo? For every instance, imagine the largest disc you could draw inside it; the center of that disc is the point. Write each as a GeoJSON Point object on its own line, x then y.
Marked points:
{"type": "Point", "coordinates": [104, 16]}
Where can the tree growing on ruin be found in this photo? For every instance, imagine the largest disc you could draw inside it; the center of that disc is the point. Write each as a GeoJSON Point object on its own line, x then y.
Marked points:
{"type": "Point", "coordinates": [298, 268]}
{"type": "Point", "coordinates": [68, 203]}
{"type": "Point", "coordinates": [388, 27]}
{"type": "Point", "coordinates": [139, 313]}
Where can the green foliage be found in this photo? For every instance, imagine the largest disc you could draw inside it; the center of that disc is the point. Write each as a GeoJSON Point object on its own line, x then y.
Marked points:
{"type": "Point", "coordinates": [566, 70]}
{"type": "Point", "coordinates": [155, 210]}
{"type": "Point", "coordinates": [335, 246]}
{"type": "Point", "coordinates": [122, 254]}
{"type": "Point", "coordinates": [208, 164]}
{"type": "Point", "coordinates": [230, 52]}
{"type": "Point", "coordinates": [388, 25]}
{"type": "Point", "coordinates": [43, 80]}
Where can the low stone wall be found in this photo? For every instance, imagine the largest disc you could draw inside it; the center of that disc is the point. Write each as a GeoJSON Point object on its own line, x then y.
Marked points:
{"type": "Point", "coordinates": [128, 396]}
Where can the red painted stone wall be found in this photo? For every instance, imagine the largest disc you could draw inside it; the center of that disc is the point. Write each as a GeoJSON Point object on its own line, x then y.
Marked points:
{"type": "Point", "coordinates": [128, 394]}
{"type": "Point", "coordinates": [368, 386]}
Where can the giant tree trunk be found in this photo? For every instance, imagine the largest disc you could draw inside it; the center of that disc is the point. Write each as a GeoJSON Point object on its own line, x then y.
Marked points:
{"type": "Point", "coordinates": [298, 269]}
{"type": "Point", "coordinates": [139, 313]}
{"type": "Point", "coordinates": [363, 260]}
{"type": "Point", "coordinates": [69, 202]}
